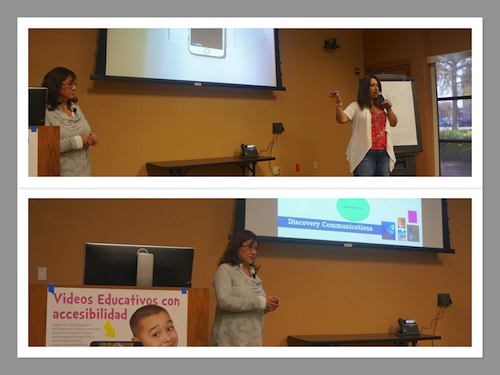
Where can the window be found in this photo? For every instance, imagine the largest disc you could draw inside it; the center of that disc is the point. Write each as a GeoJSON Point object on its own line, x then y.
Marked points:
{"type": "Point", "coordinates": [452, 78]}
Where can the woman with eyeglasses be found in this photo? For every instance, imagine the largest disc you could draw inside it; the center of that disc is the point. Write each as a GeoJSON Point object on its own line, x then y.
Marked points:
{"type": "Point", "coordinates": [62, 111]}
{"type": "Point", "coordinates": [241, 301]}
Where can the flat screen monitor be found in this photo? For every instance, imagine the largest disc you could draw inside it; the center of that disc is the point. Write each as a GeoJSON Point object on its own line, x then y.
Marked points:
{"type": "Point", "coordinates": [37, 102]}
{"type": "Point", "coordinates": [234, 57]}
{"type": "Point", "coordinates": [385, 223]}
{"type": "Point", "coordinates": [116, 264]}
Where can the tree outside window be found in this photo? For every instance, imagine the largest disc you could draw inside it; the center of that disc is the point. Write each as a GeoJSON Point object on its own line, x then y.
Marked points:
{"type": "Point", "coordinates": [454, 104]}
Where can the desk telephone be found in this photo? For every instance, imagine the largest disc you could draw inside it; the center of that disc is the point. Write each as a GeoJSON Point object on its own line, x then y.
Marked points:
{"type": "Point", "coordinates": [408, 327]}
{"type": "Point", "coordinates": [249, 151]}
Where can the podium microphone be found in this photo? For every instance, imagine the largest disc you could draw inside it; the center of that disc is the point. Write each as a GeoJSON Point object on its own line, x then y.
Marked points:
{"type": "Point", "coordinates": [382, 99]}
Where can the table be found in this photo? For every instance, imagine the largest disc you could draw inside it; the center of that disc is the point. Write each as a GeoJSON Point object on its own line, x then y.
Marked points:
{"type": "Point", "coordinates": [371, 338]}
{"type": "Point", "coordinates": [181, 167]}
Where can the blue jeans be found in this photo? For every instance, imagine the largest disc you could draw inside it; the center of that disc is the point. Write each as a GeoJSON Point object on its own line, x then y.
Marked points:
{"type": "Point", "coordinates": [375, 163]}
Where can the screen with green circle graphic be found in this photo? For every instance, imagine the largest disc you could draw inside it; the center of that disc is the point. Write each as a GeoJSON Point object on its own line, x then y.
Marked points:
{"type": "Point", "coordinates": [419, 224]}
{"type": "Point", "coordinates": [374, 221]}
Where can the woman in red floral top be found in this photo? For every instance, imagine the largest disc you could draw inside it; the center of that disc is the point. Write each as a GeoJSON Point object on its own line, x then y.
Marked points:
{"type": "Point", "coordinates": [370, 151]}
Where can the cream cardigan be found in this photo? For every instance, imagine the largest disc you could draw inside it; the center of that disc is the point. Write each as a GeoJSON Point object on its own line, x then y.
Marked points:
{"type": "Point", "coordinates": [361, 139]}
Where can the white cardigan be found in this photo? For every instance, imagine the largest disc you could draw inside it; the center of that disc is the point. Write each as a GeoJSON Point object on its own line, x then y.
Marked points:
{"type": "Point", "coordinates": [361, 139]}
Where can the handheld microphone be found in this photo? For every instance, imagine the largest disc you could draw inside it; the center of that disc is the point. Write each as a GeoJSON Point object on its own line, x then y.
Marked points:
{"type": "Point", "coordinates": [382, 99]}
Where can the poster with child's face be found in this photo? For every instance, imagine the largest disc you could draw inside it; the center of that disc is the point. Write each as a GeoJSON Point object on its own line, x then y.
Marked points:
{"type": "Point", "coordinates": [80, 316]}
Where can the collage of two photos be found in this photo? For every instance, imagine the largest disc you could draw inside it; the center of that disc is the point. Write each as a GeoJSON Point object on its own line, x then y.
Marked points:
{"type": "Point", "coordinates": [198, 188]}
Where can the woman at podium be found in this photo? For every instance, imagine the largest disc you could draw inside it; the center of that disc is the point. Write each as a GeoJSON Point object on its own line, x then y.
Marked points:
{"type": "Point", "coordinates": [62, 111]}
{"type": "Point", "coordinates": [241, 300]}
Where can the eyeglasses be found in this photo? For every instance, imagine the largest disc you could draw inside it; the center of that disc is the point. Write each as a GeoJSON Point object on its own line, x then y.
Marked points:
{"type": "Point", "coordinates": [69, 84]}
{"type": "Point", "coordinates": [256, 248]}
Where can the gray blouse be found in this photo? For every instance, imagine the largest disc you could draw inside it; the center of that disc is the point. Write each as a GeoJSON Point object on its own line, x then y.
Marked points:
{"type": "Point", "coordinates": [75, 159]}
{"type": "Point", "coordinates": [239, 316]}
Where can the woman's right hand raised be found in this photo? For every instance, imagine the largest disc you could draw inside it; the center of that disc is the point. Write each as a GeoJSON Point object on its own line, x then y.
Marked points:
{"type": "Point", "coordinates": [335, 95]}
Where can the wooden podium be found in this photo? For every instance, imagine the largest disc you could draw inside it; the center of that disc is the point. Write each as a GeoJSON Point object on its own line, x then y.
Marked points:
{"type": "Point", "coordinates": [44, 150]}
{"type": "Point", "coordinates": [198, 306]}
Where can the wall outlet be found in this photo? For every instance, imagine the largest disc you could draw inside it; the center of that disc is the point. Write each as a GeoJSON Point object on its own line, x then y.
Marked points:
{"type": "Point", "coordinates": [315, 164]}
{"type": "Point", "coordinates": [42, 273]}
{"type": "Point", "coordinates": [444, 300]}
{"type": "Point", "coordinates": [276, 171]}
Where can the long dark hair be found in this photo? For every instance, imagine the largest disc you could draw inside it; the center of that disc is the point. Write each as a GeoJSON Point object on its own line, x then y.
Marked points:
{"type": "Point", "coordinates": [364, 99]}
{"type": "Point", "coordinates": [237, 240]}
{"type": "Point", "coordinates": [53, 81]}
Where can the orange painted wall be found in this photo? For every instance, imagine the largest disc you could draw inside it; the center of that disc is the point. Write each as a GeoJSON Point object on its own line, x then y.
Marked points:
{"type": "Point", "coordinates": [323, 289]}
